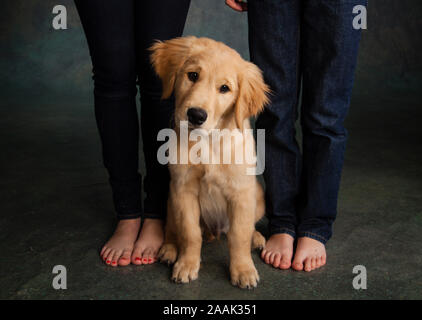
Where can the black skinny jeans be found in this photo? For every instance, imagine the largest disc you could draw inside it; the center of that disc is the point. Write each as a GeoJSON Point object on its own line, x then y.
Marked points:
{"type": "Point", "coordinates": [119, 33]}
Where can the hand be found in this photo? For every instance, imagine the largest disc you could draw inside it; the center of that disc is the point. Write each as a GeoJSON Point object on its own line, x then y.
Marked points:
{"type": "Point", "coordinates": [237, 5]}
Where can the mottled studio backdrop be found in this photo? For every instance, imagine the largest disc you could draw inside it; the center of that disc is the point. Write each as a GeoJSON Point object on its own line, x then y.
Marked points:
{"type": "Point", "coordinates": [56, 204]}
{"type": "Point", "coordinates": [38, 62]}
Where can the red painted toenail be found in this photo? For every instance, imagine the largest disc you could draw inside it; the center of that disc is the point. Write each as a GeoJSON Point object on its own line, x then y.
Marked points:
{"type": "Point", "coordinates": [137, 259]}
{"type": "Point", "coordinates": [149, 260]}
{"type": "Point", "coordinates": [108, 261]}
{"type": "Point", "coordinates": [145, 260]}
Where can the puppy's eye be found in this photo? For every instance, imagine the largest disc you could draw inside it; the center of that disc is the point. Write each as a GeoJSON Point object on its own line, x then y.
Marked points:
{"type": "Point", "coordinates": [224, 89]}
{"type": "Point", "coordinates": [193, 76]}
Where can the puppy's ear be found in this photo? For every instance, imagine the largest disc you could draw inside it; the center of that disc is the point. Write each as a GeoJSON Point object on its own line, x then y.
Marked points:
{"type": "Point", "coordinates": [167, 58]}
{"type": "Point", "coordinates": [253, 94]}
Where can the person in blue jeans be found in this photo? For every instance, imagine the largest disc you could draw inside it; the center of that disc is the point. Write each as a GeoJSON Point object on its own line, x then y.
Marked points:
{"type": "Point", "coordinates": [310, 44]}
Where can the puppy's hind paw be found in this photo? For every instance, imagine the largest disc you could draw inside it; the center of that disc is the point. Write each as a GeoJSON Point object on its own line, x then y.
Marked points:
{"type": "Point", "coordinates": [168, 253]}
{"type": "Point", "coordinates": [258, 240]}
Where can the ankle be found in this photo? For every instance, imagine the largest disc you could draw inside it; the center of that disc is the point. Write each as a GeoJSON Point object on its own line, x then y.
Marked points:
{"type": "Point", "coordinates": [310, 241]}
{"type": "Point", "coordinates": [128, 224]}
{"type": "Point", "coordinates": [282, 236]}
{"type": "Point", "coordinates": [152, 222]}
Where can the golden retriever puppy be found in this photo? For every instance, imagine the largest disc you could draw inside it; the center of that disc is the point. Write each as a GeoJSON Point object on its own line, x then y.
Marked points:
{"type": "Point", "coordinates": [214, 88]}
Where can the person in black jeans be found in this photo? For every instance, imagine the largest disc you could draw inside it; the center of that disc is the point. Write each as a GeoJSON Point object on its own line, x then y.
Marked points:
{"type": "Point", "coordinates": [312, 42]}
{"type": "Point", "coordinates": [119, 33]}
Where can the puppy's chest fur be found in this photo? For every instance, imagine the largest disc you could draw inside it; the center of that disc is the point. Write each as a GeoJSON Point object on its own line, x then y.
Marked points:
{"type": "Point", "coordinates": [213, 203]}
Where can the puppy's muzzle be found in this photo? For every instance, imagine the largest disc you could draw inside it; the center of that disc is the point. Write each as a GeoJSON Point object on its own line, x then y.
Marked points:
{"type": "Point", "coordinates": [197, 116]}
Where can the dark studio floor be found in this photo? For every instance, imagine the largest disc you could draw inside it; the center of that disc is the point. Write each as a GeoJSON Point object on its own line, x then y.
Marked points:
{"type": "Point", "coordinates": [56, 209]}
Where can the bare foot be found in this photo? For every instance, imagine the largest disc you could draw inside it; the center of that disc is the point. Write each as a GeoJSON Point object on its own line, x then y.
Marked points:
{"type": "Point", "coordinates": [149, 242]}
{"type": "Point", "coordinates": [310, 254]}
{"type": "Point", "coordinates": [278, 251]}
{"type": "Point", "coordinates": [118, 249]}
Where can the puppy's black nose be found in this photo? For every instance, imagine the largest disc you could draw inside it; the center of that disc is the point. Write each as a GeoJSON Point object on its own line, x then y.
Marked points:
{"type": "Point", "coordinates": [197, 116]}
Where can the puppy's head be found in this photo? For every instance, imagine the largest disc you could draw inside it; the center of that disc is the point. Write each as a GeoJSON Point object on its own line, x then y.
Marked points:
{"type": "Point", "coordinates": [210, 81]}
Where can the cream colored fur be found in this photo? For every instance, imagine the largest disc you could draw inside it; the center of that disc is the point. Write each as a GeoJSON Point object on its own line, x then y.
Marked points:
{"type": "Point", "coordinates": [207, 199]}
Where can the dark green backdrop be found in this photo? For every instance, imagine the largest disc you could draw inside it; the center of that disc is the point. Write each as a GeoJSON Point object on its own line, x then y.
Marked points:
{"type": "Point", "coordinates": [37, 61]}
{"type": "Point", "coordinates": [56, 204]}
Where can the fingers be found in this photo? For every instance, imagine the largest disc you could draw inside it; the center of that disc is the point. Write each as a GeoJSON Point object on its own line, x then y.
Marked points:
{"type": "Point", "coordinates": [237, 5]}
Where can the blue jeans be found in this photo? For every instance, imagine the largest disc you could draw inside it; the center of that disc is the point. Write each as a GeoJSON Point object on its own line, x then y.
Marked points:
{"type": "Point", "coordinates": [313, 43]}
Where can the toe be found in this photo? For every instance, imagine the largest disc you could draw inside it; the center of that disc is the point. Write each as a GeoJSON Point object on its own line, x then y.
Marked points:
{"type": "Point", "coordinates": [103, 250]}
{"type": "Point", "coordinates": [313, 263]}
{"type": "Point", "coordinates": [153, 257]}
{"type": "Point", "coordinates": [277, 258]}
{"type": "Point", "coordinates": [267, 257]}
{"type": "Point", "coordinates": [110, 256]}
{"type": "Point", "coordinates": [323, 260]}
{"type": "Point", "coordinates": [298, 262]}
{"type": "Point", "coordinates": [271, 257]}
{"type": "Point", "coordinates": [308, 264]}
{"type": "Point", "coordinates": [116, 257]}
{"type": "Point", "coordinates": [137, 260]}
{"type": "Point", "coordinates": [105, 254]}
{"type": "Point", "coordinates": [285, 262]}
{"type": "Point", "coordinates": [298, 265]}
{"type": "Point", "coordinates": [125, 258]}
{"type": "Point", "coordinates": [147, 256]}
{"type": "Point", "coordinates": [318, 262]}
{"type": "Point", "coordinates": [144, 259]}
{"type": "Point", "coordinates": [263, 254]}
{"type": "Point", "coordinates": [137, 256]}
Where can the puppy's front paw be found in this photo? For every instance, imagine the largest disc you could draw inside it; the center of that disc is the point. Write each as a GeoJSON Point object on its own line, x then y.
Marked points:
{"type": "Point", "coordinates": [244, 276]}
{"type": "Point", "coordinates": [185, 270]}
{"type": "Point", "coordinates": [168, 253]}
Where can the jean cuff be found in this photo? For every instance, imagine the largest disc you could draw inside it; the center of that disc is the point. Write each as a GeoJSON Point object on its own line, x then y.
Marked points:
{"type": "Point", "coordinates": [128, 216]}
{"type": "Point", "coordinates": [153, 216]}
